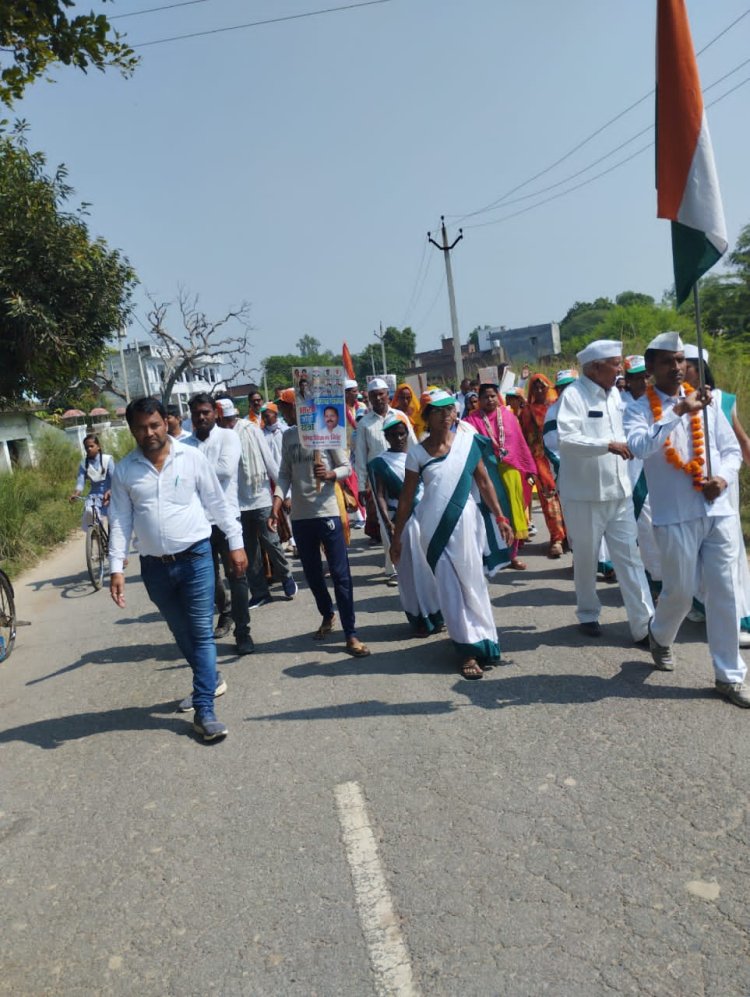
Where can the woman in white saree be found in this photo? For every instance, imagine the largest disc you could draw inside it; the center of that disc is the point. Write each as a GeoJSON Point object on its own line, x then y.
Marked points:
{"type": "Point", "coordinates": [451, 536]}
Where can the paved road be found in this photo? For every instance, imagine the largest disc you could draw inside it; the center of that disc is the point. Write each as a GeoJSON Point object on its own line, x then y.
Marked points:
{"type": "Point", "coordinates": [572, 824]}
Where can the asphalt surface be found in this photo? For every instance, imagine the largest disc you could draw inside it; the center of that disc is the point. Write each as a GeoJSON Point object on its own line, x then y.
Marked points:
{"type": "Point", "coordinates": [575, 823]}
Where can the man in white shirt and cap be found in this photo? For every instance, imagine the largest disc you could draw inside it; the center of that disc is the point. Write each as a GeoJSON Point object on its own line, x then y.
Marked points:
{"type": "Point", "coordinates": [695, 523]}
{"type": "Point", "coordinates": [369, 442]}
{"type": "Point", "coordinates": [596, 491]}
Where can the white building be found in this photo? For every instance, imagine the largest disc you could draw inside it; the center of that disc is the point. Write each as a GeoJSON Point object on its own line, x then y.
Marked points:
{"type": "Point", "coordinates": [147, 367]}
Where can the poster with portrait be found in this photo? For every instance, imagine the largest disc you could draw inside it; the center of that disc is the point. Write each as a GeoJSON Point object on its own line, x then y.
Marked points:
{"type": "Point", "coordinates": [319, 396]}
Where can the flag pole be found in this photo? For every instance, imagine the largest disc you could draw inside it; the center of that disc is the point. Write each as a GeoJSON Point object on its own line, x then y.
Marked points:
{"type": "Point", "coordinates": [702, 375]}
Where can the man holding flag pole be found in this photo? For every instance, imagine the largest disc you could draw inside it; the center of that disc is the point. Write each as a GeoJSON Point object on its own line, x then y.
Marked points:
{"type": "Point", "coordinates": [689, 451]}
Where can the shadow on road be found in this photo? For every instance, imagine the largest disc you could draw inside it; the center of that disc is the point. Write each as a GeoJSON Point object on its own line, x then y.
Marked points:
{"type": "Point", "coordinates": [509, 690]}
{"type": "Point", "coordinates": [116, 656]}
{"type": "Point", "coordinates": [57, 731]}
{"type": "Point", "coordinates": [71, 586]}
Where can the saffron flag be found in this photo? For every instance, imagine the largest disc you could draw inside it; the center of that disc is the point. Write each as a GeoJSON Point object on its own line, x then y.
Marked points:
{"type": "Point", "coordinates": [348, 365]}
{"type": "Point", "coordinates": [686, 181]}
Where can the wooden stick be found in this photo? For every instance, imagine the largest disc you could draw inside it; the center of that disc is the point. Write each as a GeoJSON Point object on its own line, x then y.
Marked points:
{"type": "Point", "coordinates": [702, 375]}
{"type": "Point", "coordinates": [317, 459]}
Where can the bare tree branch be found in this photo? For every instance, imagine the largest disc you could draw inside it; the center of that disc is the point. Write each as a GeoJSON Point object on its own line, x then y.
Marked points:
{"type": "Point", "coordinates": [200, 340]}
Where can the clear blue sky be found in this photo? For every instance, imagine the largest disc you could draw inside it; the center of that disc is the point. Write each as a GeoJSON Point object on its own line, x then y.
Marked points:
{"type": "Point", "coordinates": [299, 165]}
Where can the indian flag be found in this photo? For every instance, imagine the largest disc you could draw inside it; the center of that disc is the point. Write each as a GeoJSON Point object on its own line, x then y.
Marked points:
{"type": "Point", "coordinates": [686, 181]}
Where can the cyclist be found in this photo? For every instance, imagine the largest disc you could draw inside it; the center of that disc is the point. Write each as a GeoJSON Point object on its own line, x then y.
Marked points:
{"type": "Point", "coordinates": [98, 468]}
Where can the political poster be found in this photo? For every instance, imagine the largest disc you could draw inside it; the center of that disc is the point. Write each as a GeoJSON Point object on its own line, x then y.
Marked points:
{"type": "Point", "coordinates": [319, 397]}
{"type": "Point", "coordinates": [487, 375]}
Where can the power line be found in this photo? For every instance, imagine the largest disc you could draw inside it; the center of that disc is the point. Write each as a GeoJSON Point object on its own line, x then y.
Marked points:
{"type": "Point", "coordinates": [257, 24]}
{"type": "Point", "coordinates": [617, 148]}
{"type": "Point", "coordinates": [584, 183]}
{"type": "Point", "coordinates": [498, 201]}
{"type": "Point", "coordinates": [154, 10]}
{"type": "Point", "coordinates": [434, 301]}
{"type": "Point", "coordinates": [412, 296]}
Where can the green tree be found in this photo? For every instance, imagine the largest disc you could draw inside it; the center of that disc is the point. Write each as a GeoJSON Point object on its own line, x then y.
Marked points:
{"type": "Point", "coordinates": [399, 354]}
{"type": "Point", "coordinates": [636, 325]}
{"type": "Point", "coordinates": [280, 367]}
{"type": "Point", "coordinates": [62, 294]}
{"type": "Point", "coordinates": [634, 298]}
{"type": "Point", "coordinates": [35, 35]}
{"type": "Point", "coordinates": [582, 318]}
{"type": "Point", "coordinates": [308, 346]}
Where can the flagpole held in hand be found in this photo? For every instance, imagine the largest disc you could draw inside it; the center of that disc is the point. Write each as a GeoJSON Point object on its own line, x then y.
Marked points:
{"type": "Point", "coordinates": [702, 375]}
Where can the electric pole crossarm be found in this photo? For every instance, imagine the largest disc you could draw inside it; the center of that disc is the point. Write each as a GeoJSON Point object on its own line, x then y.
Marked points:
{"type": "Point", "coordinates": [447, 248]}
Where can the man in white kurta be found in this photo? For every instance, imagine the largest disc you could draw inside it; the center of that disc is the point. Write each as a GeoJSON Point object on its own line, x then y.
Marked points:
{"type": "Point", "coordinates": [692, 526]}
{"type": "Point", "coordinates": [596, 491]}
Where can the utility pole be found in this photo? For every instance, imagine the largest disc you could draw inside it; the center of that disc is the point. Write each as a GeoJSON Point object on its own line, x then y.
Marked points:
{"type": "Point", "coordinates": [381, 337]}
{"type": "Point", "coordinates": [446, 249]}
{"type": "Point", "coordinates": [121, 334]}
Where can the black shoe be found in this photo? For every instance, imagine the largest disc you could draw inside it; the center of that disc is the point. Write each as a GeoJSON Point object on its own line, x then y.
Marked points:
{"type": "Point", "coordinates": [643, 642]}
{"type": "Point", "coordinates": [206, 724]}
{"type": "Point", "coordinates": [592, 629]}
{"type": "Point", "coordinates": [223, 626]}
{"type": "Point", "coordinates": [261, 600]}
{"type": "Point", "coordinates": [245, 644]}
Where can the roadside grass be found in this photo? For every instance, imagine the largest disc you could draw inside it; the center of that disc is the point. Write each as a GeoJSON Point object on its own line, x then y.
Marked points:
{"type": "Point", "coordinates": [34, 510]}
{"type": "Point", "coordinates": [35, 514]}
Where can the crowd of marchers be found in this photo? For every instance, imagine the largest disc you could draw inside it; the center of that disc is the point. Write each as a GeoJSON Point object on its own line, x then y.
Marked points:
{"type": "Point", "coordinates": [634, 465]}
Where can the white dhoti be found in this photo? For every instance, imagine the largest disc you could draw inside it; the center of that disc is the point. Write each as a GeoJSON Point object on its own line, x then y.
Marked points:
{"type": "Point", "coordinates": [710, 542]}
{"type": "Point", "coordinates": [587, 523]}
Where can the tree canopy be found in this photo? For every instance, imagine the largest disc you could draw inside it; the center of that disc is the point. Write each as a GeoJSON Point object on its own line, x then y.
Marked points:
{"type": "Point", "coordinates": [62, 294]}
{"type": "Point", "coordinates": [399, 354]}
{"type": "Point", "coordinates": [35, 36]}
{"type": "Point", "coordinates": [308, 346]}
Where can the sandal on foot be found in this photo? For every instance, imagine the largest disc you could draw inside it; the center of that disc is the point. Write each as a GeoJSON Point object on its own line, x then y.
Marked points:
{"type": "Point", "coordinates": [471, 669]}
{"type": "Point", "coordinates": [324, 629]}
{"type": "Point", "coordinates": [357, 649]}
{"type": "Point", "coordinates": [518, 565]}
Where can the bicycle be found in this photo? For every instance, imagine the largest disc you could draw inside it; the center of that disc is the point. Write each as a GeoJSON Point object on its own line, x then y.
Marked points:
{"type": "Point", "coordinates": [7, 616]}
{"type": "Point", "coordinates": [97, 543]}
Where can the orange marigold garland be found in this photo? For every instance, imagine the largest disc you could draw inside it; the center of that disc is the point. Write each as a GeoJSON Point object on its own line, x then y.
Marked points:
{"type": "Point", "coordinates": [692, 467]}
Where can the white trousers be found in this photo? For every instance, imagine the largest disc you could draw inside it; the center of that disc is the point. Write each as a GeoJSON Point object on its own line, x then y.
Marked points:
{"type": "Point", "coordinates": [587, 523]}
{"type": "Point", "coordinates": [709, 542]}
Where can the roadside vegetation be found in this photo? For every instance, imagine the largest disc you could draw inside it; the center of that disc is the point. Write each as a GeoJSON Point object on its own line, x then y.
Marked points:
{"type": "Point", "coordinates": [35, 514]}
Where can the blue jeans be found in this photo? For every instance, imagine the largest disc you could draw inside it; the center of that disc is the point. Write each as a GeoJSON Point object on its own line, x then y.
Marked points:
{"type": "Point", "coordinates": [309, 534]}
{"type": "Point", "coordinates": [183, 592]}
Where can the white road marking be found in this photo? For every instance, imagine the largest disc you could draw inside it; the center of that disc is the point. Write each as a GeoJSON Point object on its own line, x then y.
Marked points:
{"type": "Point", "coordinates": [389, 956]}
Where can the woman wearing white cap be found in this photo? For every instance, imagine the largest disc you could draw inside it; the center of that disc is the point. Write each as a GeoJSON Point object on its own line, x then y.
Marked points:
{"type": "Point", "coordinates": [451, 531]}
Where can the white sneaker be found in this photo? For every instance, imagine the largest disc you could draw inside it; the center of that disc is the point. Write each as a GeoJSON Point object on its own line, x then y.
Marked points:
{"type": "Point", "coordinates": [744, 638]}
{"type": "Point", "coordinates": [696, 616]}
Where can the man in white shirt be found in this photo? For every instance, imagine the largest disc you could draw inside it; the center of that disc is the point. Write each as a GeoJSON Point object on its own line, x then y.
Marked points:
{"type": "Point", "coordinates": [167, 492]}
{"type": "Point", "coordinates": [258, 468]}
{"type": "Point", "coordinates": [596, 492]}
{"type": "Point", "coordinates": [370, 442]}
{"type": "Point", "coordinates": [221, 447]}
{"type": "Point", "coordinates": [694, 520]}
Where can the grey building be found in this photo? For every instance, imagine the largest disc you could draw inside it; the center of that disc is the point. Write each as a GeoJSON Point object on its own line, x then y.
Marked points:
{"type": "Point", "coordinates": [142, 368]}
{"type": "Point", "coordinates": [526, 345]}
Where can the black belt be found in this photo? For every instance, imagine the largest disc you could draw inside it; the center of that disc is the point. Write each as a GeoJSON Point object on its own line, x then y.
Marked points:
{"type": "Point", "coordinates": [179, 556]}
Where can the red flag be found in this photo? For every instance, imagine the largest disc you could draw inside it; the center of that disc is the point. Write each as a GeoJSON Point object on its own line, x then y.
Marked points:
{"type": "Point", "coordinates": [348, 365]}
